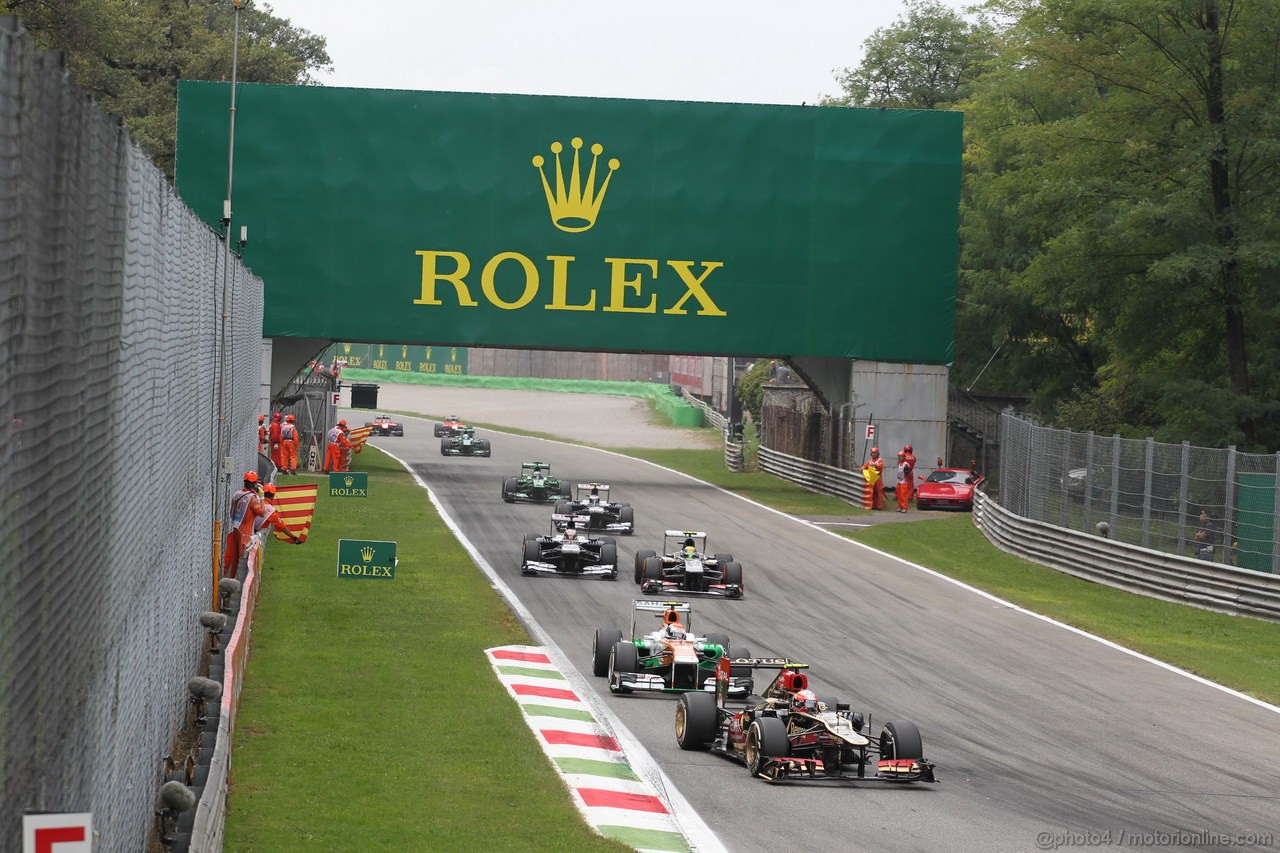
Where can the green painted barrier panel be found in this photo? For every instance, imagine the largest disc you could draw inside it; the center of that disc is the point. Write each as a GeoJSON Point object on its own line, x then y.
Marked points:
{"type": "Point", "coordinates": [593, 224]}
{"type": "Point", "coordinates": [1255, 521]}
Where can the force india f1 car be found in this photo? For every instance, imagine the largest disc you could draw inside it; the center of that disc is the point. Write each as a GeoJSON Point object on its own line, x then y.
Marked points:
{"type": "Point", "coordinates": [789, 733]}
{"type": "Point", "coordinates": [449, 427]}
{"type": "Point", "coordinates": [670, 659]}
{"type": "Point", "coordinates": [569, 552]}
{"type": "Point", "coordinates": [685, 567]}
{"type": "Point", "coordinates": [464, 443]}
{"type": "Point", "coordinates": [386, 425]}
{"type": "Point", "coordinates": [592, 500]}
{"type": "Point", "coordinates": [534, 485]}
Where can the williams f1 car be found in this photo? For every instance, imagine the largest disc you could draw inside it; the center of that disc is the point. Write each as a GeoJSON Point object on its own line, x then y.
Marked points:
{"type": "Point", "coordinates": [534, 485]}
{"type": "Point", "coordinates": [685, 567]}
{"type": "Point", "coordinates": [386, 425]}
{"type": "Point", "coordinates": [464, 443]}
{"type": "Point", "coordinates": [569, 552]}
{"type": "Point", "coordinates": [789, 733]}
{"type": "Point", "coordinates": [670, 659]}
{"type": "Point", "coordinates": [592, 500]}
{"type": "Point", "coordinates": [450, 426]}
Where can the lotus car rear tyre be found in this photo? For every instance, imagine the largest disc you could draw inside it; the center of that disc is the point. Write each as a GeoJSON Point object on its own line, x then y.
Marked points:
{"type": "Point", "coordinates": [697, 720]}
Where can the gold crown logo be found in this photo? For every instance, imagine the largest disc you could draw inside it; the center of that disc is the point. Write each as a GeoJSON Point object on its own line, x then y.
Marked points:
{"type": "Point", "coordinates": [346, 347]}
{"type": "Point", "coordinates": [404, 351]}
{"type": "Point", "coordinates": [367, 553]}
{"type": "Point", "coordinates": [575, 210]}
{"type": "Point", "coordinates": [348, 481]}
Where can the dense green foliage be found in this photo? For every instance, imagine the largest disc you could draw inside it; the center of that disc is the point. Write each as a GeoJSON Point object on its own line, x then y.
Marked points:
{"type": "Point", "coordinates": [129, 54]}
{"type": "Point", "coordinates": [750, 388]}
{"type": "Point", "coordinates": [1119, 221]}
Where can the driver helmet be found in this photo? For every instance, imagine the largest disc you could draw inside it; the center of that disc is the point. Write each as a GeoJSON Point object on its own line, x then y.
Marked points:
{"type": "Point", "coordinates": [675, 631]}
{"type": "Point", "coordinates": [570, 533]}
{"type": "Point", "coordinates": [689, 550]}
{"type": "Point", "coordinates": [806, 701]}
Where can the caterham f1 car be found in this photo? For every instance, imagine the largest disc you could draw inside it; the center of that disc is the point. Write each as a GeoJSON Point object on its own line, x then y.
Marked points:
{"type": "Point", "coordinates": [386, 425]}
{"type": "Point", "coordinates": [789, 733]}
{"type": "Point", "coordinates": [685, 567]}
{"type": "Point", "coordinates": [592, 500]}
{"type": "Point", "coordinates": [464, 443]}
{"type": "Point", "coordinates": [449, 427]}
{"type": "Point", "coordinates": [569, 552]}
{"type": "Point", "coordinates": [534, 485]}
{"type": "Point", "coordinates": [670, 659]}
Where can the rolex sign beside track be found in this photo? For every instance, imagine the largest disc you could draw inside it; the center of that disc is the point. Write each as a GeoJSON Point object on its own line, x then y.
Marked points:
{"type": "Point", "coordinates": [586, 223]}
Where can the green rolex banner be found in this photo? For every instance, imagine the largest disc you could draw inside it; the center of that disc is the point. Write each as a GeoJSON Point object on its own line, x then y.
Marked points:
{"type": "Point", "coordinates": [597, 224]}
{"type": "Point", "coordinates": [360, 558]}
{"type": "Point", "coordinates": [350, 484]}
{"type": "Point", "coordinates": [402, 358]}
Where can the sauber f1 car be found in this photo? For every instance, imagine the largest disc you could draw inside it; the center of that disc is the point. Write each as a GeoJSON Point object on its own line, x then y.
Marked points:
{"type": "Point", "coordinates": [569, 552]}
{"type": "Point", "coordinates": [592, 500]}
{"type": "Point", "coordinates": [386, 425]}
{"type": "Point", "coordinates": [685, 567]}
{"type": "Point", "coordinates": [449, 427]}
{"type": "Point", "coordinates": [670, 659]}
{"type": "Point", "coordinates": [789, 733]}
{"type": "Point", "coordinates": [534, 485]}
{"type": "Point", "coordinates": [464, 443]}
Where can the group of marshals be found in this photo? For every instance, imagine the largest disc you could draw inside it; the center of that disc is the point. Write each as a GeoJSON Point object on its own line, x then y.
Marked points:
{"type": "Point", "coordinates": [280, 441]}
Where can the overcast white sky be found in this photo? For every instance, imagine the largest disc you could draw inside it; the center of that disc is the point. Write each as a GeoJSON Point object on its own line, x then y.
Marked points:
{"type": "Point", "coordinates": [750, 51]}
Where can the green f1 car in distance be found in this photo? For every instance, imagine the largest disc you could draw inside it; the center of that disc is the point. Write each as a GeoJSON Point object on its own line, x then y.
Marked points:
{"type": "Point", "coordinates": [535, 485]}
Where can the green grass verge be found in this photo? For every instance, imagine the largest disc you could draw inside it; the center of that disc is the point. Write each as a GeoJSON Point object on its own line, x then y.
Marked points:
{"type": "Point", "coordinates": [370, 717]}
{"type": "Point", "coordinates": [1232, 650]}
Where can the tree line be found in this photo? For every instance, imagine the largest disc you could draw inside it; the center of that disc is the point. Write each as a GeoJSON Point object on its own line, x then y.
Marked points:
{"type": "Point", "coordinates": [1118, 238]}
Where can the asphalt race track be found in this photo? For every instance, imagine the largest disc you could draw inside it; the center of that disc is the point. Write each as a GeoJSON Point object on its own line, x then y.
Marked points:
{"type": "Point", "coordinates": [1034, 729]}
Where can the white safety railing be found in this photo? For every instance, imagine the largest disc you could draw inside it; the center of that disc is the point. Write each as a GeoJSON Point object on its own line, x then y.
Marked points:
{"type": "Point", "coordinates": [813, 475]}
{"type": "Point", "coordinates": [1158, 574]}
{"type": "Point", "coordinates": [712, 417]}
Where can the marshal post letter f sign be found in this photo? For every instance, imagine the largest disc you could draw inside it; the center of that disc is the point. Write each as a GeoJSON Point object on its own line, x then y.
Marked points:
{"type": "Point", "coordinates": [603, 223]}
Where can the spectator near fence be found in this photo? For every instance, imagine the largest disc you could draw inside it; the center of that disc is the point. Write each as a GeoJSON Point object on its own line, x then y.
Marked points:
{"type": "Point", "coordinates": [1206, 536]}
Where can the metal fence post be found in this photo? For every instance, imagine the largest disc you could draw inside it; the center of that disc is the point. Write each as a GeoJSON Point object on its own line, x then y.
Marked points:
{"type": "Point", "coordinates": [1146, 493]}
{"type": "Point", "coordinates": [1114, 520]}
{"type": "Point", "coordinates": [1088, 481]}
{"type": "Point", "coordinates": [1275, 519]}
{"type": "Point", "coordinates": [1182, 497]}
{"type": "Point", "coordinates": [1228, 505]}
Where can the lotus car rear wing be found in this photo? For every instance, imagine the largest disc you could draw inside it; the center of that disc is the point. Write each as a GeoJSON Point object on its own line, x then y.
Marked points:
{"type": "Point", "coordinates": [723, 670]}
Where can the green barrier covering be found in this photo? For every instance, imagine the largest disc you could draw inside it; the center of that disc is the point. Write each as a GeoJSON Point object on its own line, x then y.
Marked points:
{"type": "Point", "coordinates": [666, 402]}
{"type": "Point", "coordinates": [591, 224]}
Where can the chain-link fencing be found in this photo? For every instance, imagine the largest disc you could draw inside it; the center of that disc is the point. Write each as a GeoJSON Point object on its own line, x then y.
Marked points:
{"type": "Point", "coordinates": [1215, 504]}
{"type": "Point", "coordinates": [110, 329]}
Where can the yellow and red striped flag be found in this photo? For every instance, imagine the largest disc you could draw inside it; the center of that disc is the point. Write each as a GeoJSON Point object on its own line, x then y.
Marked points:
{"type": "Point", "coordinates": [296, 505]}
{"type": "Point", "coordinates": [359, 436]}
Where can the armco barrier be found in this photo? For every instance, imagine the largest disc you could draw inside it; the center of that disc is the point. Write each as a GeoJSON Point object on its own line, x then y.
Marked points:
{"type": "Point", "coordinates": [710, 416]}
{"type": "Point", "coordinates": [211, 811]}
{"type": "Point", "coordinates": [733, 454]}
{"type": "Point", "coordinates": [814, 476]}
{"type": "Point", "coordinates": [1212, 586]}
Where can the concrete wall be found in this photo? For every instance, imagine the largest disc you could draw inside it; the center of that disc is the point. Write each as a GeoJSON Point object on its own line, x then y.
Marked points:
{"type": "Point", "coordinates": [908, 404]}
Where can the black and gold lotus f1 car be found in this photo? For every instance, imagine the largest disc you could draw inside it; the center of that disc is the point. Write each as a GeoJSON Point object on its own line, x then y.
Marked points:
{"type": "Point", "coordinates": [787, 732]}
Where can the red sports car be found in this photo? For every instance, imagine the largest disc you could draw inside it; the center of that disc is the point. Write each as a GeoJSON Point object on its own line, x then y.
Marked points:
{"type": "Point", "coordinates": [947, 487]}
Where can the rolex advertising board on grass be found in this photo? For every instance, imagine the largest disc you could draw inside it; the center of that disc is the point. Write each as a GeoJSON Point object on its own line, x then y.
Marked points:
{"type": "Point", "coordinates": [362, 558]}
{"type": "Point", "coordinates": [586, 223]}
{"type": "Point", "coordinates": [350, 484]}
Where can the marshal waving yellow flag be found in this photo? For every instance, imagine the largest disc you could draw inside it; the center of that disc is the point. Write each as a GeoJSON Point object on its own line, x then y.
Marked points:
{"type": "Point", "coordinates": [296, 505]}
{"type": "Point", "coordinates": [359, 436]}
